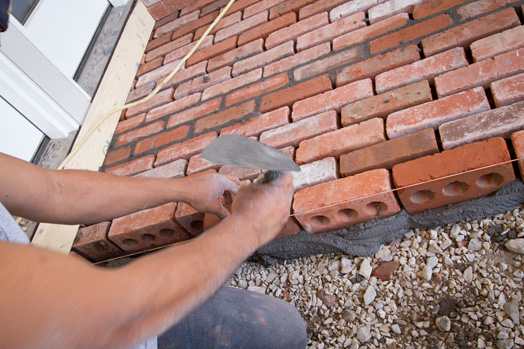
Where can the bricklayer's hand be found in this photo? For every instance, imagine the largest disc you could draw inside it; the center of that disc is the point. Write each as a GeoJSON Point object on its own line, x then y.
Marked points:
{"type": "Point", "coordinates": [207, 191]}
{"type": "Point", "coordinates": [265, 206]}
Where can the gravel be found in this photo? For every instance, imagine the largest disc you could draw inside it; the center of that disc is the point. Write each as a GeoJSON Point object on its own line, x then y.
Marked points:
{"type": "Point", "coordinates": [458, 285]}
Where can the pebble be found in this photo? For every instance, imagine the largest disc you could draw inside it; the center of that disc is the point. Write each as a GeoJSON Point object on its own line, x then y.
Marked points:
{"type": "Point", "coordinates": [370, 295]}
{"type": "Point", "coordinates": [468, 275]}
{"type": "Point", "coordinates": [365, 268]}
{"type": "Point", "coordinates": [443, 323]}
{"type": "Point", "coordinates": [385, 270]}
{"type": "Point", "coordinates": [505, 344]}
{"type": "Point", "coordinates": [475, 244]}
{"type": "Point", "coordinates": [364, 334]}
{"type": "Point", "coordinates": [516, 245]}
{"type": "Point", "coordinates": [426, 272]}
{"type": "Point", "coordinates": [396, 329]}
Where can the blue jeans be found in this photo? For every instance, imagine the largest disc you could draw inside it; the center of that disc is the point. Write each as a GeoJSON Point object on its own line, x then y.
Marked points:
{"type": "Point", "coordinates": [235, 318]}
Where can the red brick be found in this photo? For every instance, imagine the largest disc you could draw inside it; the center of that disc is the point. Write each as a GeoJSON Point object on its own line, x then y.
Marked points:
{"type": "Point", "coordinates": [160, 98]}
{"type": "Point", "coordinates": [259, 7]}
{"type": "Point", "coordinates": [184, 150]}
{"type": "Point", "coordinates": [429, 177]}
{"type": "Point", "coordinates": [295, 30]}
{"type": "Point", "coordinates": [130, 123]}
{"type": "Point", "coordinates": [257, 89]}
{"type": "Point", "coordinates": [290, 228]}
{"type": "Point", "coordinates": [292, 94]}
{"type": "Point", "coordinates": [297, 59]}
{"type": "Point", "coordinates": [259, 124]}
{"type": "Point", "coordinates": [508, 91]}
{"type": "Point", "coordinates": [290, 151]}
{"type": "Point", "coordinates": [214, 6]}
{"type": "Point", "coordinates": [294, 133]}
{"type": "Point", "coordinates": [201, 83]}
{"type": "Point", "coordinates": [172, 107]}
{"type": "Point", "coordinates": [195, 5]}
{"type": "Point", "coordinates": [230, 57]}
{"type": "Point", "coordinates": [499, 43]}
{"type": "Point", "coordinates": [149, 66]}
{"type": "Point", "coordinates": [184, 50]}
{"type": "Point", "coordinates": [175, 169]}
{"type": "Point", "coordinates": [240, 173]}
{"type": "Point", "coordinates": [117, 155]}
{"type": "Point", "coordinates": [194, 113]}
{"type": "Point", "coordinates": [232, 84]}
{"type": "Point", "coordinates": [140, 133]}
{"type": "Point", "coordinates": [480, 7]}
{"type": "Point", "coordinates": [212, 51]}
{"type": "Point", "coordinates": [383, 104]}
{"type": "Point", "coordinates": [434, 114]}
{"type": "Point", "coordinates": [373, 66]}
{"type": "Point", "coordinates": [345, 202]}
{"type": "Point", "coordinates": [389, 153]}
{"type": "Point", "coordinates": [481, 73]}
{"type": "Point", "coordinates": [390, 8]}
{"type": "Point", "coordinates": [154, 75]}
{"type": "Point", "coordinates": [166, 20]}
{"type": "Point", "coordinates": [147, 229]}
{"type": "Point", "coordinates": [226, 21]}
{"type": "Point", "coordinates": [140, 92]}
{"type": "Point", "coordinates": [182, 75]}
{"type": "Point", "coordinates": [332, 100]}
{"type": "Point", "coordinates": [330, 31]}
{"type": "Point", "coordinates": [517, 139]}
{"type": "Point", "coordinates": [197, 164]}
{"type": "Point", "coordinates": [160, 41]}
{"type": "Point", "coordinates": [132, 167]}
{"type": "Point", "coordinates": [162, 9]}
{"type": "Point", "coordinates": [374, 30]}
{"type": "Point", "coordinates": [424, 69]}
{"type": "Point", "coordinates": [330, 62]}
{"type": "Point", "coordinates": [176, 24]}
{"type": "Point", "coordinates": [465, 34]}
{"type": "Point", "coordinates": [410, 34]}
{"type": "Point", "coordinates": [263, 30]}
{"type": "Point", "coordinates": [161, 139]}
{"type": "Point", "coordinates": [169, 47]}
{"type": "Point", "coordinates": [242, 4]}
{"type": "Point", "coordinates": [92, 243]}
{"type": "Point", "coordinates": [204, 20]}
{"type": "Point", "coordinates": [225, 116]}
{"type": "Point", "coordinates": [317, 7]}
{"type": "Point", "coordinates": [317, 172]}
{"type": "Point", "coordinates": [287, 6]}
{"type": "Point", "coordinates": [264, 58]}
{"type": "Point", "coordinates": [341, 141]}
{"type": "Point", "coordinates": [190, 219]}
{"type": "Point", "coordinates": [500, 122]}
{"type": "Point", "coordinates": [435, 6]}
{"type": "Point", "coordinates": [350, 7]}
{"type": "Point", "coordinates": [240, 27]}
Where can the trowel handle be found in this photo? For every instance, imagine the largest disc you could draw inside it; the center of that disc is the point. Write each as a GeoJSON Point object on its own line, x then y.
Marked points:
{"type": "Point", "coordinates": [271, 175]}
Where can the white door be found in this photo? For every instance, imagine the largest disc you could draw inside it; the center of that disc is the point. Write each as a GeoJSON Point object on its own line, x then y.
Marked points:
{"type": "Point", "coordinates": [38, 60]}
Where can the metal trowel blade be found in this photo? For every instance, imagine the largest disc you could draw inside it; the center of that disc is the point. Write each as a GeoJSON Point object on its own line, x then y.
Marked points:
{"type": "Point", "coordinates": [244, 152]}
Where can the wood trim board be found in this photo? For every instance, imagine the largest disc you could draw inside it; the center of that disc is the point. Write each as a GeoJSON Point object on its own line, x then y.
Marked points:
{"type": "Point", "coordinates": [112, 92]}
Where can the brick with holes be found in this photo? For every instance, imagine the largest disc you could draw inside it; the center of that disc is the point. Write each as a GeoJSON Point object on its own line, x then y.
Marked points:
{"type": "Point", "coordinates": [345, 202]}
{"type": "Point", "coordinates": [147, 229]}
{"type": "Point", "coordinates": [456, 175]}
{"type": "Point", "coordinates": [91, 242]}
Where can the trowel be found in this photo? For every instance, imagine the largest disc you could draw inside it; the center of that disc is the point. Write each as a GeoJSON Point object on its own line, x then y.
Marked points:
{"type": "Point", "coordinates": [243, 152]}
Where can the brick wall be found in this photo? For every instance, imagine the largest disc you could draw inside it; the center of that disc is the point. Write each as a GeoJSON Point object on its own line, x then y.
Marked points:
{"type": "Point", "coordinates": [368, 96]}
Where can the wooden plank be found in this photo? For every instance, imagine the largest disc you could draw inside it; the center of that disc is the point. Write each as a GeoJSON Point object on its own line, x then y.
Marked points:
{"type": "Point", "coordinates": [112, 92]}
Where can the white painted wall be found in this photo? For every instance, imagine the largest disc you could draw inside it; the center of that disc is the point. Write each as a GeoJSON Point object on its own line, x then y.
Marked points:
{"type": "Point", "coordinates": [63, 29]}
{"type": "Point", "coordinates": [18, 136]}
